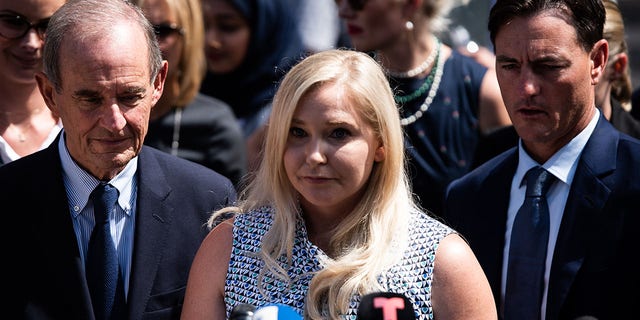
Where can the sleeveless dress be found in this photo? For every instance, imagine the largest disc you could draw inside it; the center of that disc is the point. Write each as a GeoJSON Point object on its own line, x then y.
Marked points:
{"type": "Point", "coordinates": [411, 276]}
{"type": "Point", "coordinates": [442, 142]}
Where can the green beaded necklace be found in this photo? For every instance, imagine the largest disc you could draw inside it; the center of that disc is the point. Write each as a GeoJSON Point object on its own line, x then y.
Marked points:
{"type": "Point", "coordinates": [424, 87]}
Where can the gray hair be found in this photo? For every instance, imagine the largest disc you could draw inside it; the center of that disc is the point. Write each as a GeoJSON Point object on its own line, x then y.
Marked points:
{"type": "Point", "coordinates": [83, 19]}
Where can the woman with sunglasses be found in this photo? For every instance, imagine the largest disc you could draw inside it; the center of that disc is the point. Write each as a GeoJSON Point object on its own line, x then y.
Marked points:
{"type": "Point", "coordinates": [26, 124]}
{"type": "Point", "coordinates": [185, 122]}
{"type": "Point", "coordinates": [447, 101]}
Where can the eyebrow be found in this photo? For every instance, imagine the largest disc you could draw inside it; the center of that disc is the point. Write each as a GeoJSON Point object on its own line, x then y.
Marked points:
{"type": "Point", "coordinates": [542, 59]}
{"type": "Point", "coordinates": [18, 14]}
{"type": "Point", "coordinates": [136, 90]}
{"type": "Point", "coordinates": [7, 11]}
{"type": "Point", "coordinates": [502, 58]}
{"type": "Point", "coordinates": [331, 123]}
{"type": "Point", "coordinates": [90, 92]}
{"type": "Point", "coordinates": [85, 93]}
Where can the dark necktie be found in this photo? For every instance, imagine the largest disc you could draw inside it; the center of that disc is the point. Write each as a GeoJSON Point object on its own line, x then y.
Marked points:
{"type": "Point", "coordinates": [528, 250]}
{"type": "Point", "coordinates": [103, 276]}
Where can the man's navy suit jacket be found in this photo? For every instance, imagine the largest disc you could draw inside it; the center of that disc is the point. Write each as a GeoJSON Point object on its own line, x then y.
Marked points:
{"type": "Point", "coordinates": [594, 270]}
{"type": "Point", "coordinates": [45, 274]}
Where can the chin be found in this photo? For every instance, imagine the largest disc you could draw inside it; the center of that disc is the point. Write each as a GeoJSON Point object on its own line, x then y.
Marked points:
{"type": "Point", "coordinates": [120, 159]}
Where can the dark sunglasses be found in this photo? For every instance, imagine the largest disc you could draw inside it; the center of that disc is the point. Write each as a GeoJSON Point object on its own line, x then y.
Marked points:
{"type": "Point", "coordinates": [164, 30]}
{"type": "Point", "coordinates": [356, 5]}
{"type": "Point", "coordinates": [15, 26]}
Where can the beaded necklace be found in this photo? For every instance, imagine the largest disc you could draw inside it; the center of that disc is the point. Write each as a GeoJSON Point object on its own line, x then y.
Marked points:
{"type": "Point", "coordinates": [419, 69]}
{"type": "Point", "coordinates": [432, 91]}
{"type": "Point", "coordinates": [423, 88]}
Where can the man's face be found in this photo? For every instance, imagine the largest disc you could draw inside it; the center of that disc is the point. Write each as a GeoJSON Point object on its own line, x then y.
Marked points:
{"type": "Point", "coordinates": [105, 99]}
{"type": "Point", "coordinates": [547, 80]}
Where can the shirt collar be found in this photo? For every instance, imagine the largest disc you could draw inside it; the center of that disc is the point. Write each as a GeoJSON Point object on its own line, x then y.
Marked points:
{"type": "Point", "coordinates": [81, 183]}
{"type": "Point", "coordinates": [564, 162]}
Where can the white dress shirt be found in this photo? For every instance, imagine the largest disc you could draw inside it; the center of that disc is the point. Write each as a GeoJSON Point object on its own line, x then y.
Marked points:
{"type": "Point", "coordinates": [563, 166]}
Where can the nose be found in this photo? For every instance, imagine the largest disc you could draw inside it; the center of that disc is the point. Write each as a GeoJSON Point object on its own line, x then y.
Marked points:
{"type": "Point", "coordinates": [315, 153]}
{"type": "Point", "coordinates": [212, 39]}
{"type": "Point", "coordinates": [528, 83]}
{"type": "Point", "coordinates": [113, 118]}
{"type": "Point", "coordinates": [32, 39]}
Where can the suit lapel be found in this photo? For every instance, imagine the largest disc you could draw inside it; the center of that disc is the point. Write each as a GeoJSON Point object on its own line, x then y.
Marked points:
{"type": "Point", "coordinates": [153, 220]}
{"type": "Point", "coordinates": [58, 241]}
{"type": "Point", "coordinates": [493, 221]}
{"type": "Point", "coordinates": [587, 197]}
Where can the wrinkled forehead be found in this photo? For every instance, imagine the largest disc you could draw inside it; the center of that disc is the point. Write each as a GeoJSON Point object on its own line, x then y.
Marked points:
{"type": "Point", "coordinates": [119, 42]}
{"type": "Point", "coordinates": [120, 52]}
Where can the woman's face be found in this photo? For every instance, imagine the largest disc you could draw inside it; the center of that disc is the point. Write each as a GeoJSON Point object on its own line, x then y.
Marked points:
{"type": "Point", "coordinates": [378, 25]}
{"type": "Point", "coordinates": [21, 55]}
{"type": "Point", "coordinates": [168, 32]}
{"type": "Point", "coordinates": [330, 152]}
{"type": "Point", "coordinates": [227, 35]}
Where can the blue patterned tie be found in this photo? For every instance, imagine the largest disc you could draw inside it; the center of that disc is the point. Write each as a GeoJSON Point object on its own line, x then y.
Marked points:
{"type": "Point", "coordinates": [102, 260]}
{"type": "Point", "coordinates": [528, 250]}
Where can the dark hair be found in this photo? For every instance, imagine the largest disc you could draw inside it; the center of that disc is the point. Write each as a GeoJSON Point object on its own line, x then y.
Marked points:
{"type": "Point", "coordinates": [586, 16]}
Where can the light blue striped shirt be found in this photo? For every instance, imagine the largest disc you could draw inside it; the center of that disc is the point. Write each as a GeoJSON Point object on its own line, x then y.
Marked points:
{"type": "Point", "coordinates": [79, 184]}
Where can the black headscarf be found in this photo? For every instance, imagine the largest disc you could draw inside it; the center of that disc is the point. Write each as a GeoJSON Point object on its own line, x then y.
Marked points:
{"type": "Point", "coordinates": [275, 45]}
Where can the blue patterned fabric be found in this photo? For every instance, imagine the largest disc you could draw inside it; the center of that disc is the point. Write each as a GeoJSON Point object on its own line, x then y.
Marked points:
{"type": "Point", "coordinates": [412, 276]}
{"type": "Point", "coordinates": [441, 144]}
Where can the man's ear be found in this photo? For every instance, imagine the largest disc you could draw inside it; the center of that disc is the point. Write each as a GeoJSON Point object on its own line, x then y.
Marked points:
{"type": "Point", "coordinates": [158, 82]}
{"type": "Point", "coordinates": [47, 90]}
{"type": "Point", "coordinates": [599, 56]}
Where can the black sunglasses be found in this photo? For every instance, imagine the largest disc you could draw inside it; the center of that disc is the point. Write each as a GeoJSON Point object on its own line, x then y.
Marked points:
{"type": "Point", "coordinates": [164, 30]}
{"type": "Point", "coordinates": [15, 26]}
{"type": "Point", "coordinates": [356, 5]}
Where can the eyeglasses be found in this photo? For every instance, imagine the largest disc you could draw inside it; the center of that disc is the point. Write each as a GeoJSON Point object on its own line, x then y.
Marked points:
{"type": "Point", "coordinates": [164, 30]}
{"type": "Point", "coordinates": [356, 5]}
{"type": "Point", "coordinates": [15, 26]}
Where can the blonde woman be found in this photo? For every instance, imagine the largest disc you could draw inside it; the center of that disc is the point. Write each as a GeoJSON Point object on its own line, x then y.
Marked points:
{"type": "Point", "coordinates": [330, 216]}
{"type": "Point", "coordinates": [613, 92]}
{"type": "Point", "coordinates": [184, 122]}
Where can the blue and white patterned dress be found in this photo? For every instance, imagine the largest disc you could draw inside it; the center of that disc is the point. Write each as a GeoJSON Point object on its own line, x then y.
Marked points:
{"type": "Point", "coordinates": [412, 276]}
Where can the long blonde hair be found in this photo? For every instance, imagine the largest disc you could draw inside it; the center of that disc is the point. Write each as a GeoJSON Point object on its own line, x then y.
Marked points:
{"type": "Point", "coordinates": [436, 12]}
{"type": "Point", "coordinates": [614, 33]}
{"type": "Point", "coordinates": [193, 64]}
{"type": "Point", "coordinates": [363, 244]}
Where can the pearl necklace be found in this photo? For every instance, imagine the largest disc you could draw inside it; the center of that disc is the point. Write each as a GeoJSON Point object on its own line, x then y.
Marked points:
{"type": "Point", "coordinates": [422, 89]}
{"type": "Point", "coordinates": [432, 92]}
{"type": "Point", "coordinates": [419, 69]}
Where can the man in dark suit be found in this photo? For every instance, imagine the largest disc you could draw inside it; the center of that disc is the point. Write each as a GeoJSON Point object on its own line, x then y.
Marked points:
{"type": "Point", "coordinates": [549, 56]}
{"type": "Point", "coordinates": [103, 74]}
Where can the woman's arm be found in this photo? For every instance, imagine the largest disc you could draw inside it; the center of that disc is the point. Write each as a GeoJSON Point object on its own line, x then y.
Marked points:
{"type": "Point", "coordinates": [460, 288]}
{"type": "Point", "coordinates": [492, 112]}
{"type": "Point", "coordinates": [204, 298]}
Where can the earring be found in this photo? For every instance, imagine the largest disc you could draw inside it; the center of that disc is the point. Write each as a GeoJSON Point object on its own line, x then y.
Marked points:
{"type": "Point", "coordinates": [409, 25]}
{"type": "Point", "coordinates": [618, 66]}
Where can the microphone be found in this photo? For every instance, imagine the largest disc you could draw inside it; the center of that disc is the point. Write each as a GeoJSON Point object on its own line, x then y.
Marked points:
{"type": "Point", "coordinates": [276, 312]}
{"type": "Point", "coordinates": [242, 311]}
{"type": "Point", "coordinates": [385, 306]}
